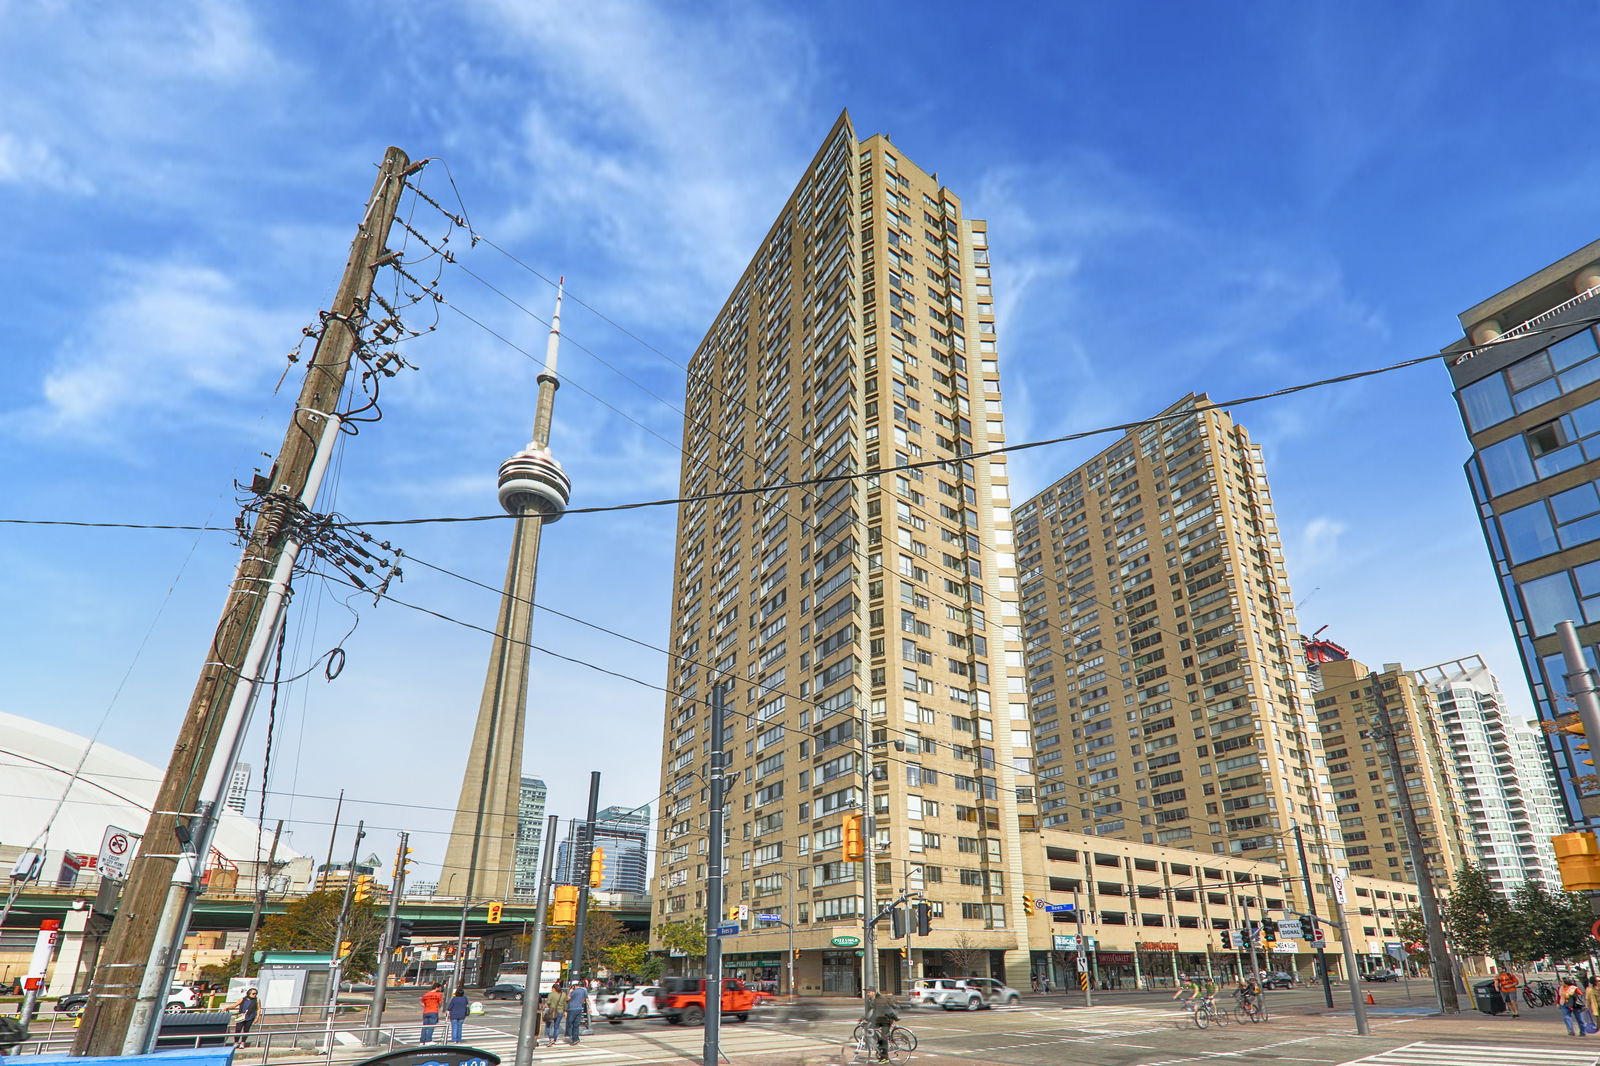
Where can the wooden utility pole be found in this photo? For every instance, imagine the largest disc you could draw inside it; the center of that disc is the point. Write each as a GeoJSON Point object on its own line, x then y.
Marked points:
{"type": "Point", "coordinates": [129, 989]}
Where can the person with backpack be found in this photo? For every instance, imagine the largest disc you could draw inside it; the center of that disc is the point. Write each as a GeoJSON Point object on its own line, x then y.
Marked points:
{"type": "Point", "coordinates": [1570, 998]}
{"type": "Point", "coordinates": [1507, 983]}
{"type": "Point", "coordinates": [880, 1014]}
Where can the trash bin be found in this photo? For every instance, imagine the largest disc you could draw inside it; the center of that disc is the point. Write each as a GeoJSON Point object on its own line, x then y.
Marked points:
{"type": "Point", "coordinates": [1486, 997]}
{"type": "Point", "coordinates": [193, 1029]}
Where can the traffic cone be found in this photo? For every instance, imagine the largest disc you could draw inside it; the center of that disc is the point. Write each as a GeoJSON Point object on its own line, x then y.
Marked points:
{"type": "Point", "coordinates": [1370, 1001]}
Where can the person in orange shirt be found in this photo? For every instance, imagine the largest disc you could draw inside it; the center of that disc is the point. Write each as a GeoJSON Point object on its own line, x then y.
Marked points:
{"type": "Point", "coordinates": [432, 1000]}
{"type": "Point", "coordinates": [1507, 983]}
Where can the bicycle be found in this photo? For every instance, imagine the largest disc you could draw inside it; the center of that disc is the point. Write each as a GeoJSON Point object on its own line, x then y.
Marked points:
{"type": "Point", "coordinates": [1204, 1012]}
{"type": "Point", "coordinates": [1250, 1009]}
{"type": "Point", "coordinates": [1539, 994]}
{"type": "Point", "coordinates": [863, 1045]}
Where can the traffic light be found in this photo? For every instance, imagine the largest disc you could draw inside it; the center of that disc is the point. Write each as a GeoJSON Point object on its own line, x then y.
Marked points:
{"type": "Point", "coordinates": [897, 923]}
{"type": "Point", "coordinates": [1227, 940]}
{"type": "Point", "coordinates": [733, 914]}
{"type": "Point", "coordinates": [564, 911]}
{"type": "Point", "coordinates": [363, 889]}
{"type": "Point", "coordinates": [922, 918]}
{"type": "Point", "coordinates": [495, 911]}
{"type": "Point", "coordinates": [344, 948]}
{"type": "Point", "coordinates": [402, 932]}
{"type": "Point", "coordinates": [597, 867]}
{"type": "Point", "coordinates": [796, 954]}
{"type": "Point", "coordinates": [1027, 905]}
{"type": "Point", "coordinates": [1578, 856]}
{"type": "Point", "coordinates": [854, 847]}
{"type": "Point", "coordinates": [1269, 932]}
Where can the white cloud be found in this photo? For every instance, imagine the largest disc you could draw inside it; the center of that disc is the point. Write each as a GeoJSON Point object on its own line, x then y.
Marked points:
{"type": "Point", "coordinates": [1319, 544]}
{"type": "Point", "coordinates": [28, 162]}
{"type": "Point", "coordinates": [165, 339]}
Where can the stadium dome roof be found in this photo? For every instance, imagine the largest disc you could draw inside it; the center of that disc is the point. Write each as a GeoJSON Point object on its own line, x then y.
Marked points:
{"type": "Point", "coordinates": [113, 788]}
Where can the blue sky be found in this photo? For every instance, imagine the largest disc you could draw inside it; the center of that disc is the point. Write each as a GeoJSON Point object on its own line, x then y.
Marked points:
{"type": "Point", "coordinates": [1221, 198]}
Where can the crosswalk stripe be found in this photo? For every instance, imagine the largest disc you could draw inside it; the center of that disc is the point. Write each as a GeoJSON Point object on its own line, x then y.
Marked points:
{"type": "Point", "coordinates": [1436, 1053]}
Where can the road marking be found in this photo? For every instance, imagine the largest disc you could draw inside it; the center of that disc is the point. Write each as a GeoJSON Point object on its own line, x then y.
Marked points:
{"type": "Point", "coordinates": [1436, 1053]}
{"type": "Point", "coordinates": [1206, 1056]}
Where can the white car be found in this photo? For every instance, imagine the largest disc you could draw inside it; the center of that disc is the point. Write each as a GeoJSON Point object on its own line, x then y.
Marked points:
{"type": "Point", "coordinates": [636, 1001]}
{"type": "Point", "coordinates": [963, 993]}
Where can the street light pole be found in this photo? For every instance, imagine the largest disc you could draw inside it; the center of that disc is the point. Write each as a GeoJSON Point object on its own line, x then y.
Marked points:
{"type": "Point", "coordinates": [713, 979]}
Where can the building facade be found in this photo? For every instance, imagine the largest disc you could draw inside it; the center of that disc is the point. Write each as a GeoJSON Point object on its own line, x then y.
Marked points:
{"type": "Point", "coordinates": [1165, 676]}
{"type": "Point", "coordinates": [624, 833]}
{"type": "Point", "coordinates": [530, 835]}
{"type": "Point", "coordinates": [1150, 913]}
{"type": "Point", "coordinates": [1512, 803]}
{"type": "Point", "coordinates": [865, 626]}
{"type": "Point", "coordinates": [238, 788]}
{"type": "Point", "coordinates": [1530, 402]}
{"type": "Point", "coordinates": [1363, 782]}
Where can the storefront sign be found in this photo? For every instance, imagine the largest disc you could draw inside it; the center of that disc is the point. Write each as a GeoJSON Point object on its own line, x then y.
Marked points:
{"type": "Point", "coordinates": [845, 941]}
{"type": "Point", "coordinates": [1115, 958]}
{"type": "Point", "coordinates": [1286, 947]}
{"type": "Point", "coordinates": [1157, 945]}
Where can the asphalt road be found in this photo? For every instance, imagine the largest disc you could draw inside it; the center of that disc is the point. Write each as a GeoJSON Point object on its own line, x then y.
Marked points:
{"type": "Point", "coordinates": [1121, 1029]}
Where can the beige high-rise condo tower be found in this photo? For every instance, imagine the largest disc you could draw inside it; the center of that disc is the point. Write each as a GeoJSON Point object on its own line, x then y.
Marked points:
{"type": "Point", "coordinates": [867, 625]}
{"type": "Point", "coordinates": [1164, 668]}
{"type": "Point", "coordinates": [481, 859]}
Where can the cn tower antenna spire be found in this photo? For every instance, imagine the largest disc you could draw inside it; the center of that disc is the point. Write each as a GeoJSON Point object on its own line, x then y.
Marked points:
{"type": "Point", "coordinates": [548, 381]}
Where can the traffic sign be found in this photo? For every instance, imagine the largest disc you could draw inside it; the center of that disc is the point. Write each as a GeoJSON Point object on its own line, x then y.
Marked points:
{"type": "Point", "coordinates": [726, 929]}
{"type": "Point", "coordinates": [116, 853]}
{"type": "Point", "coordinates": [744, 912]}
{"type": "Point", "coordinates": [1083, 963]}
{"type": "Point", "coordinates": [1317, 935]}
{"type": "Point", "coordinates": [769, 917]}
{"type": "Point", "coordinates": [1057, 908]}
{"type": "Point", "coordinates": [1288, 927]}
{"type": "Point", "coordinates": [1338, 889]}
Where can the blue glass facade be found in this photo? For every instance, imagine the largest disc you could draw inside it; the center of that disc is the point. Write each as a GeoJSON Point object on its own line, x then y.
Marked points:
{"type": "Point", "coordinates": [1532, 408]}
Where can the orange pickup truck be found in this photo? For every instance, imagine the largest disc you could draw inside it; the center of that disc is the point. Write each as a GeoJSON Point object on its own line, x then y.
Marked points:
{"type": "Point", "coordinates": [683, 1000]}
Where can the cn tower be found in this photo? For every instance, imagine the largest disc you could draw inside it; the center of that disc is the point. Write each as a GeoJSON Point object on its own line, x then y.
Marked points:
{"type": "Point", "coordinates": [480, 860]}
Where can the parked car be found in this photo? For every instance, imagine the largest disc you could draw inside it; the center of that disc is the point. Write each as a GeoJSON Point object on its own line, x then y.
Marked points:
{"type": "Point", "coordinates": [178, 998]}
{"type": "Point", "coordinates": [1383, 974]}
{"type": "Point", "coordinates": [683, 1000]}
{"type": "Point", "coordinates": [634, 1001]}
{"type": "Point", "coordinates": [1278, 979]}
{"type": "Point", "coordinates": [930, 992]}
{"type": "Point", "coordinates": [506, 991]}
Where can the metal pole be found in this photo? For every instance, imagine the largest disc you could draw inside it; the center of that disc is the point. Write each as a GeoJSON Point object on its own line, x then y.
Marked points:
{"type": "Point", "coordinates": [580, 862]}
{"type": "Point", "coordinates": [333, 834]}
{"type": "Point", "coordinates": [869, 833]}
{"type": "Point", "coordinates": [380, 983]}
{"type": "Point", "coordinates": [713, 981]}
{"type": "Point", "coordinates": [1083, 963]}
{"type": "Point", "coordinates": [260, 902]}
{"type": "Point", "coordinates": [1580, 679]}
{"type": "Point", "coordinates": [788, 878]}
{"type": "Point", "coordinates": [1311, 908]}
{"type": "Point", "coordinates": [344, 914]}
{"type": "Point", "coordinates": [1442, 965]}
{"type": "Point", "coordinates": [528, 1027]}
{"type": "Point", "coordinates": [1357, 1003]}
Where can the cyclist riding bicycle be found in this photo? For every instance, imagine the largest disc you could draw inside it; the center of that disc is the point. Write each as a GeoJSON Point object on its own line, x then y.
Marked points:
{"type": "Point", "coordinates": [1198, 989]}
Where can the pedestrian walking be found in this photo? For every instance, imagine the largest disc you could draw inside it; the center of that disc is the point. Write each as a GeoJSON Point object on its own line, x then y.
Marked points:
{"type": "Point", "coordinates": [432, 1002]}
{"type": "Point", "coordinates": [555, 1013]}
{"type": "Point", "coordinates": [1507, 983]}
{"type": "Point", "coordinates": [245, 1012]}
{"type": "Point", "coordinates": [1570, 997]}
{"type": "Point", "coordinates": [1591, 1005]}
{"type": "Point", "coordinates": [577, 1003]}
{"type": "Point", "coordinates": [457, 1011]}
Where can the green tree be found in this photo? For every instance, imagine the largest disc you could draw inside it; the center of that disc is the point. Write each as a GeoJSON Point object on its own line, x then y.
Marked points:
{"type": "Point", "coordinates": [652, 968]}
{"type": "Point", "coordinates": [627, 956]}
{"type": "Point", "coordinates": [1476, 918]}
{"type": "Point", "coordinates": [1553, 924]}
{"type": "Point", "coordinates": [1410, 929]}
{"type": "Point", "coordinates": [218, 973]}
{"type": "Point", "coordinates": [309, 924]}
{"type": "Point", "coordinates": [688, 937]}
{"type": "Point", "coordinates": [601, 932]}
